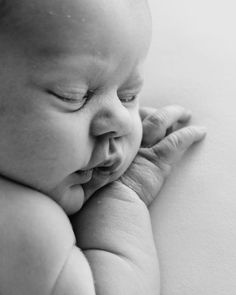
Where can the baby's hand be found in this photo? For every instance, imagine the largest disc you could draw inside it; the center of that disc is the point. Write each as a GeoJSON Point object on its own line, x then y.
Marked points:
{"type": "Point", "coordinates": [162, 147]}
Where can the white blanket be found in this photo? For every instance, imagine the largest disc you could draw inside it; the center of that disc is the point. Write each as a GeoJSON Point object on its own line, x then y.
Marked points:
{"type": "Point", "coordinates": [192, 62]}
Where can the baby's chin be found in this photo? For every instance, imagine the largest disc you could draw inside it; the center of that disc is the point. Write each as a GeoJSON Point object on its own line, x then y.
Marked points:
{"type": "Point", "coordinates": [70, 198]}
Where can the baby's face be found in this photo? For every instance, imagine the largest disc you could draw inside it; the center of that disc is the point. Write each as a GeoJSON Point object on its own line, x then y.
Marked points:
{"type": "Point", "coordinates": [69, 84]}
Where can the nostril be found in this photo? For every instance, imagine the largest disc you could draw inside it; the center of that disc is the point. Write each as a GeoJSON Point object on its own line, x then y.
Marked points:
{"type": "Point", "coordinates": [113, 144]}
{"type": "Point", "coordinates": [112, 134]}
{"type": "Point", "coordinates": [111, 120]}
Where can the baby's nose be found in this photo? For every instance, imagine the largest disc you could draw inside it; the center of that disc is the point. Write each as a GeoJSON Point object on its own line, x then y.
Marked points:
{"type": "Point", "coordinates": [112, 119]}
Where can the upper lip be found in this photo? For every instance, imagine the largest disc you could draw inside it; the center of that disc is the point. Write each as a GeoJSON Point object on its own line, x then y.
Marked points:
{"type": "Point", "coordinates": [111, 164]}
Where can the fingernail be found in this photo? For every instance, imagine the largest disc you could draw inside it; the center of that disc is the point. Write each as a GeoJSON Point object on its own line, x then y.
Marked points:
{"type": "Point", "coordinates": [188, 113]}
{"type": "Point", "coordinates": [202, 129]}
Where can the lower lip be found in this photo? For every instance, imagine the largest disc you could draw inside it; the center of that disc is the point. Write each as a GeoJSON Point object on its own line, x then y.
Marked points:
{"type": "Point", "coordinates": [85, 176]}
{"type": "Point", "coordinates": [106, 170]}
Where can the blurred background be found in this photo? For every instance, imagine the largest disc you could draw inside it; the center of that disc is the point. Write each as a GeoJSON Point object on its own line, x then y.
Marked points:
{"type": "Point", "coordinates": [192, 62]}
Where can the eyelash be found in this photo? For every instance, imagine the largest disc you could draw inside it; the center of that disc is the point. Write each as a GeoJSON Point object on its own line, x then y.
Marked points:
{"type": "Point", "coordinates": [126, 99]}
{"type": "Point", "coordinates": [130, 98]}
{"type": "Point", "coordinates": [71, 100]}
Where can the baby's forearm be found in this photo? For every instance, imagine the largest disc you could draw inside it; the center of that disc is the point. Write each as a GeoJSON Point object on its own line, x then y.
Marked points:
{"type": "Point", "coordinates": [114, 231]}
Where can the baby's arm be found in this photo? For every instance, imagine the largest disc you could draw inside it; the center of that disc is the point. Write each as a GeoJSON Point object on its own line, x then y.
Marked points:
{"type": "Point", "coordinates": [114, 228]}
{"type": "Point", "coordinates": [115, 234]}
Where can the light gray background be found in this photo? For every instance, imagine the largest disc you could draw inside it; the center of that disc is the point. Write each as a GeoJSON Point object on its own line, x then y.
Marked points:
{"type": "Point", "coordinates": [192, 62]}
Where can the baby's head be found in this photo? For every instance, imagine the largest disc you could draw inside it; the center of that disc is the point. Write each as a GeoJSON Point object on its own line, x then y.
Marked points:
{"type": "Point", "coordinates": [69, 84]}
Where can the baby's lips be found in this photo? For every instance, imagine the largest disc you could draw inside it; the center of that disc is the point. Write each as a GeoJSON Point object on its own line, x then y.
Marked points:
{"type": "Point", "coordinates": [84, 175]}
{"type": "Point", "coordinates": [110, 166]}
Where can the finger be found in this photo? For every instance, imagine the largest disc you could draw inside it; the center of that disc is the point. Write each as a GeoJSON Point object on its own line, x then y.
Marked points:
{"type": "Point", "coordinates": [172, 147]}
{"type": "Point", "coordinates": [161, 122]}
{"type": "Point", "coordinates": [146, 111]}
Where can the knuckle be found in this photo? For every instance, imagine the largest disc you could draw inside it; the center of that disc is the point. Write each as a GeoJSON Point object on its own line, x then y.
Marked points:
{"type": "Point", "coordinates": [189, 132]}
{"type": "Point", "coordinates": [164, 155]}
{"type": "Point", "coordinates": [183, 138]}
{"type": "Point", "coordinates": [145, 112]}
{"type": "Point", "coordinates": [158, 119]}
{"type": "Point", "coordinates": [174, 141]}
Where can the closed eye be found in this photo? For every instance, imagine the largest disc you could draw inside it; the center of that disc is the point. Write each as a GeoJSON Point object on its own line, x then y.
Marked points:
{"type": "Point", "coordinates": [127, 96]}
{"type": "Point", "coordinates": [77, 99]}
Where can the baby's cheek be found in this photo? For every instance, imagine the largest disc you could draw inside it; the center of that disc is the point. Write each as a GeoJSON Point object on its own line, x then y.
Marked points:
{"type": "Point", "coordinates": [138, 131]}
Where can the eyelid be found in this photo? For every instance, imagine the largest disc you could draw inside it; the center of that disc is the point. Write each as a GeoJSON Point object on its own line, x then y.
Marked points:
{"type": "Point", "coordinates": [71, 95]}
{"type": "Point", "coordinates": [75, 100]}
{"type": "Point", "coordinates": [128, 97]}
{"type": "Point", "coordinates": [128, 92]}
{"type": "Point", "coordinates": [133, 86]}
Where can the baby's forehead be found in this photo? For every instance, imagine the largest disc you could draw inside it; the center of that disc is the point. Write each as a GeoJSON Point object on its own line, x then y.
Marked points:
{"type": "Point", "coordinates": [22, 14]}
{"type": "Point", "coordinates": [78, 17]}
{"type": "Point", "coordinates": [24, 6]}
{"type": "Point", "coordinates": [116, 31]}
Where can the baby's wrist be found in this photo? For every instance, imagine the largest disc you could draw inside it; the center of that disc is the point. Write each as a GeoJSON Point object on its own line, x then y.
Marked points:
{"type": "Point", "coordinates": [137, 188]}
{"type": "Point", "coordinates": [123, 191]}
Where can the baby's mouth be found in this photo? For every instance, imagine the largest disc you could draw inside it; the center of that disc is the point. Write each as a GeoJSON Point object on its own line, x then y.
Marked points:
{"type": "Point", "coordinates": [109, 167]}
{"type": "Point", "coordinates": [84, 175]}
{"type": "Point", "coordinates": [103, 170]}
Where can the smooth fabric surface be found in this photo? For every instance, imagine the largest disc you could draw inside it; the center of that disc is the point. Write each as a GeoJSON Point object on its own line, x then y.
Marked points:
{"type": "Point", "coordinates": [192, 62]}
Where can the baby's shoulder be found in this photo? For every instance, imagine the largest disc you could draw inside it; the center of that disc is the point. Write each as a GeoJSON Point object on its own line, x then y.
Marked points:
{"type": "Point", "coordinates": [35, 239]}
{"type": "Point", "coordinates": [24, 208]}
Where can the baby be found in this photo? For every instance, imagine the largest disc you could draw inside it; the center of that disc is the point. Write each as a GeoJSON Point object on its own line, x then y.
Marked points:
{"type": "Point", "coordinates": [72, 134]}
